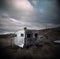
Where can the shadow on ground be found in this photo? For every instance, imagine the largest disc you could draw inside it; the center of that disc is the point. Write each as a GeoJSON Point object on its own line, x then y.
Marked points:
{"type": "Point", "coordinates": [44, 51]}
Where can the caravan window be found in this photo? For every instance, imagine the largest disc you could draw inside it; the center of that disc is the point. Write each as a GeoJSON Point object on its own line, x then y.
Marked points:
{"type": "Point", "coordinates": [28, 35]}
{"type": "Point", "coordinates": [22, 34]}
{"type": "Point", "coordinates": [36, 35]}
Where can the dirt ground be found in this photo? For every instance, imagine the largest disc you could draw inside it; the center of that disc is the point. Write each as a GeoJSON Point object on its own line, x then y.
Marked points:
{"type": "Point", "coordinates": [48, 50]}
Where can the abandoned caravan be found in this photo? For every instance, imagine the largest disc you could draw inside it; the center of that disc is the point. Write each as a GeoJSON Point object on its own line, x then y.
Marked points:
{"type": "Point", "coordinates": [26, 37]}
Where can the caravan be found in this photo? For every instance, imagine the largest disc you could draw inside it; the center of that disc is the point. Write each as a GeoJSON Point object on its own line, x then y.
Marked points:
{"type": "Point", "coordinates": [26, 37]}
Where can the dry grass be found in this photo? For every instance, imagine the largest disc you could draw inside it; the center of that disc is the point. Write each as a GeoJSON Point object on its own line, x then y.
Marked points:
{"type": "Point", "coordinates": [45, 51]}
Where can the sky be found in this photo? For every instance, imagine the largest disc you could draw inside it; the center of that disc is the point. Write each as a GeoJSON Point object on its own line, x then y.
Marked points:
{"type": "Point", "coordinates": [38, 14]}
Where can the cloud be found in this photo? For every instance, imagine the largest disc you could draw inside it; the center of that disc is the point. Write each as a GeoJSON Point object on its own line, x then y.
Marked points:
{"type": "Point", "coordinates": [20, 4]}
{"type": "Point", "coordinates": [32, 14]}
{"type": "Point", "coordinates": [10, 24]}
{"type": "Point", "coordinates": [7, 23]}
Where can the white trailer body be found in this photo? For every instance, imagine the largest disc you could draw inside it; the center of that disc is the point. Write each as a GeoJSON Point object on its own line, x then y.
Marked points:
{"type": "Point", "coordinates": [26, 37]}
{"type": "Point", "coordinates": [19, 39]}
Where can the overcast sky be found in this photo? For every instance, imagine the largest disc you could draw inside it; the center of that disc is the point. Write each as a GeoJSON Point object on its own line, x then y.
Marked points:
{"type": "Point", "coordinates": [16, 14]}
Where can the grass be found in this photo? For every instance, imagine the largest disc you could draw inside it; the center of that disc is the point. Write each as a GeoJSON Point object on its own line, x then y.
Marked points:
{"type": "Point", "coordinates": [45, 51]}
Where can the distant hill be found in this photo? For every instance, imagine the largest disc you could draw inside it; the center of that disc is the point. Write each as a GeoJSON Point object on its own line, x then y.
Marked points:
{"type": "Point", "coordinates": [7, 35]}
{"type": "Point", "coordinates": [51, 33]}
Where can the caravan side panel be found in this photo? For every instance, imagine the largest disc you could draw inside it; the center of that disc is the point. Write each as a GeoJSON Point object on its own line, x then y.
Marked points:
{"type": "Point", "coordinates": [19, 40]}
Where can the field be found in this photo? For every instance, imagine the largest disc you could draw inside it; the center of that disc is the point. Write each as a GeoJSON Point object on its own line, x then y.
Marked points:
{"type": "Point", "coordinates": [46, 50]}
